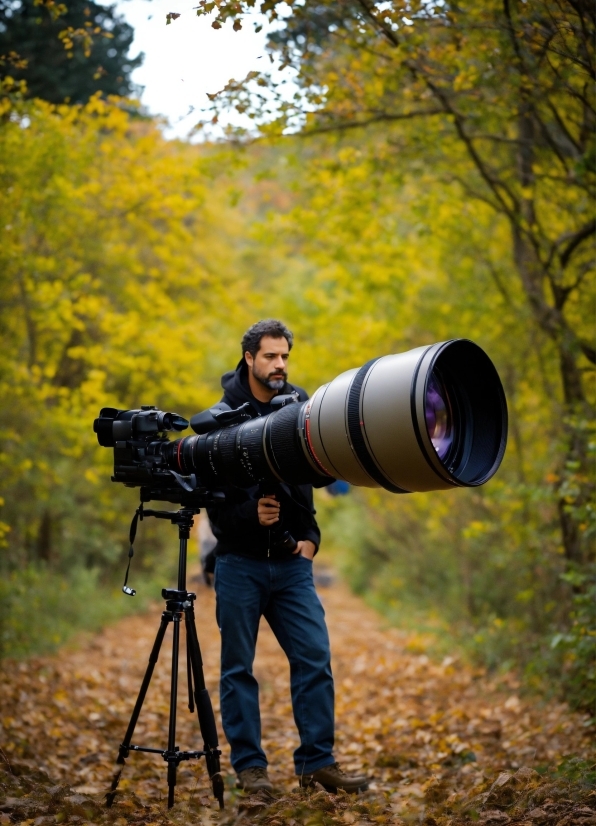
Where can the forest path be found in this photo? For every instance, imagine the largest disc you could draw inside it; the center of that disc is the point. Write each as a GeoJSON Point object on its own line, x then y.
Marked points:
{"type": "Point", "coordinates": [414, 725]}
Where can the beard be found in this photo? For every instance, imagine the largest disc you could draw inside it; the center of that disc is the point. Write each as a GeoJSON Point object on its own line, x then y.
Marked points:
{"type": "Point", "coordinates": [272, 381]}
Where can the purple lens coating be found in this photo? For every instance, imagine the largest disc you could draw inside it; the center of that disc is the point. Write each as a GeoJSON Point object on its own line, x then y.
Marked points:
{"type": "Point", "coordinates": [437, 411]}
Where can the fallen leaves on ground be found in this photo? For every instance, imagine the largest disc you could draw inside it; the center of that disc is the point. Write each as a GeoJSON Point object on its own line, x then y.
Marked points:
{"type": "Point", "coordinates": [442, 742]}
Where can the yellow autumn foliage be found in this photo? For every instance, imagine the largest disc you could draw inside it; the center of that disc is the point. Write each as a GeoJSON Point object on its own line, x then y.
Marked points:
{"type": "Point", "coordinates": [130, 266]}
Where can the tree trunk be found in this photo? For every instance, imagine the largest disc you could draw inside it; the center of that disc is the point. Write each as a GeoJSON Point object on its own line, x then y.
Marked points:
{"type": "Point", "coordinates": [551, 320]}
{"type": "Point", "coordinates": [44, 537]}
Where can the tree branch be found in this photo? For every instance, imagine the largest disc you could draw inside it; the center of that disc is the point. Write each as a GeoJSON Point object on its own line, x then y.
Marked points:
{"type": "Point", "coordinates": [574, 241]}
{"type": "Point", "coordinates": [588, 350]}
{"type": "Point", "coordinates": [387, 33]}
{"type": "Point", "coordinates": [562, 126]}
{"type": "Point", "coordinates": [474, 194]}
{"type": "Point", "coordinates": [549, 138]}
{"type": "Point", "coordinates": [512, 37]}
{"type": "Point", "coordinates": [493, 184]}
{"type": "Point", "coordinates": [380, 118]}
{"type": "Point", "coordinates": [499, 284]}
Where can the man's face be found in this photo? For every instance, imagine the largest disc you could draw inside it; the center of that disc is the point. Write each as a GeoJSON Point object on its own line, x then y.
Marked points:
{"type": "Point", "coordinates": [270, 365]}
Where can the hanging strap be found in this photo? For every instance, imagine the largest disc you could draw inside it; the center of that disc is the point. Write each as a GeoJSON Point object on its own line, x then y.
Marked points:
{"type": "Point", "coordinates": [132, 534]}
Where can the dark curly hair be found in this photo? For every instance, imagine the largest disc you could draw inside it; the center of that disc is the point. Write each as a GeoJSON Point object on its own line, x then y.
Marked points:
{"type": "Point", "coordinates": [251, 340]}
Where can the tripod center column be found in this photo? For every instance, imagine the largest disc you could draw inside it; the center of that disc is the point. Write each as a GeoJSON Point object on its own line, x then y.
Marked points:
{"type": "Point", "coordinates": [185, 522]}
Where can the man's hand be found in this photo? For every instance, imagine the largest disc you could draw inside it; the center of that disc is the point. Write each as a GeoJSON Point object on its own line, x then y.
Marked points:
{"type": "Point", "coordinates": [268, 511]}
{"type": "Point", "coordinates": [306, 548]}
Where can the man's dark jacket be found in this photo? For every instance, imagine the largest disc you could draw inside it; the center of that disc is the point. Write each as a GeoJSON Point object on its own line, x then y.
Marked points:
{"type": "Point", "coordinates": [236, 524]}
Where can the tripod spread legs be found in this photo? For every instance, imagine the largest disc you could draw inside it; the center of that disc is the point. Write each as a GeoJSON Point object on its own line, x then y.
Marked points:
{"type": "Point", "coordinates": [178, 603]}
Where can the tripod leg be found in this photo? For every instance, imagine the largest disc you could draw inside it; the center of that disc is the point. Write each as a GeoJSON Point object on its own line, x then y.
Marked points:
{"type": "Point", "coordinates": [204, 708]}
{"type": "Point", "coordinates": [153, 657]}
{"type": "Point", "coordinates": [172, 761]}
{"type": "Point", "coordinates": [191, 702]}
{"type": "Point", "coordinates": [123, 751]}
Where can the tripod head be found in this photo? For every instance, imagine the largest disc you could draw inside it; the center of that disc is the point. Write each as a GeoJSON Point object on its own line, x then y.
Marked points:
{"type": "Point", "coordinates": [191, 501]}
{"type": "Point", "coordinates": [200, 498]}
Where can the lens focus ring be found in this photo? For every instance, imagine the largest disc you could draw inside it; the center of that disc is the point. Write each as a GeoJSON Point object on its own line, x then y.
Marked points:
{"type": "Point", "coordinates": [355, 427]}
{"type": "Point", "coordinates": [284, 450]}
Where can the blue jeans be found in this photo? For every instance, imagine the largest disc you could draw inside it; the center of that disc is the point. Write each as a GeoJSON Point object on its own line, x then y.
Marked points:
{"type": "Point", "coordinates": [283, 592]}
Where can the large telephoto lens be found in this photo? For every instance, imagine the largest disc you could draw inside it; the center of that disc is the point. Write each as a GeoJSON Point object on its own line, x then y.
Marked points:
{"type": "Point", "coordinates": [429, 419]}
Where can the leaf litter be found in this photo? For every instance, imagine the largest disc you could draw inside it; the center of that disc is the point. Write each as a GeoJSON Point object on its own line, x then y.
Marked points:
{"type": "Point", "coordinates": [443, 743]}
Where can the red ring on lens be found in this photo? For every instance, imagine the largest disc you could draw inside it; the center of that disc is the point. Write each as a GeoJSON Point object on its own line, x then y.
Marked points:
{"type": "Point", "coordinates": [309, 444]}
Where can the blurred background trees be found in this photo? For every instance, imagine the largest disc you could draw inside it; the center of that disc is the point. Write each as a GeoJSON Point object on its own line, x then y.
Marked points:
{"type": "Point", "coordinates": [490, 108]}
{"type": "Point", "coordinates": [67, 52]}
{"type": "Point", "coordinates": [496, 98]}
{"type": "Point", "coordinates": [445, 189]}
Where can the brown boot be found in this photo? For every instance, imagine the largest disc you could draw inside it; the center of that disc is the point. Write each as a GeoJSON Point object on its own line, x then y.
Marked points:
{"type": "Point", "coordinates": [254, 779]}
{"type": "Point", "coordinates": [333, 778]}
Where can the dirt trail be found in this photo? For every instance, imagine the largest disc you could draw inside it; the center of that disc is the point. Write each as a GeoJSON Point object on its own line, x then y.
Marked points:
{"type": "Point", "coordinates": [412, 724]}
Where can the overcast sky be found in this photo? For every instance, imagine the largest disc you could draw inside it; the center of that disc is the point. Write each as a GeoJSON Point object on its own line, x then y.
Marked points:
{"type": "Point", "coordinates": [188, 58]}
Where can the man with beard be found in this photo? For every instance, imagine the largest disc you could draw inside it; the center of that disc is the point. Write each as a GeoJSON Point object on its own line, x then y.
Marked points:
{"type": "Point", "coordinates": [256, 576]}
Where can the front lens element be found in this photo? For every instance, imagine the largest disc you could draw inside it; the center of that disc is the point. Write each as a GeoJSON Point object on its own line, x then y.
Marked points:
{"type": "Point", "coordinates": [439, 416]}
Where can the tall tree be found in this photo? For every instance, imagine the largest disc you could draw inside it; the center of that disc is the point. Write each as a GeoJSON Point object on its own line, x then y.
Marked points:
{"type": "Point", "coordinates": [67, 52]}
{"type": "Point", "coordinates": [497, 95]}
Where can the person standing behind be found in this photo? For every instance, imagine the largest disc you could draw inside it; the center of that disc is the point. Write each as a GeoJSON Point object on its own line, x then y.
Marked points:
{"type": "Point", "coordinates": [254, 577]}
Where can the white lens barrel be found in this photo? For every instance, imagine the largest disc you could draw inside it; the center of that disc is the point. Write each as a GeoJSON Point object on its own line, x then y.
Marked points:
{"type": "Point", "coordinates": [368, 425]}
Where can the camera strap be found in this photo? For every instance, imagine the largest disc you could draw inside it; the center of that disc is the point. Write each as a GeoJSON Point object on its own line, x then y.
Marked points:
{"type": "Point", "coordinates": [130, 592]}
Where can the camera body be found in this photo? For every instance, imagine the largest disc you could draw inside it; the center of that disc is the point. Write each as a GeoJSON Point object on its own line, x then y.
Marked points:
{"type": "Point", "coordinates": [143, 454]}
{"type": "Point", "coordinates": [145, 457]}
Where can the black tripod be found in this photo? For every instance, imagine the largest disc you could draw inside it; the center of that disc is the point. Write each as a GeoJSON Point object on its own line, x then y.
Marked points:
{"type": "Point", "coordinates": [179, 603]}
